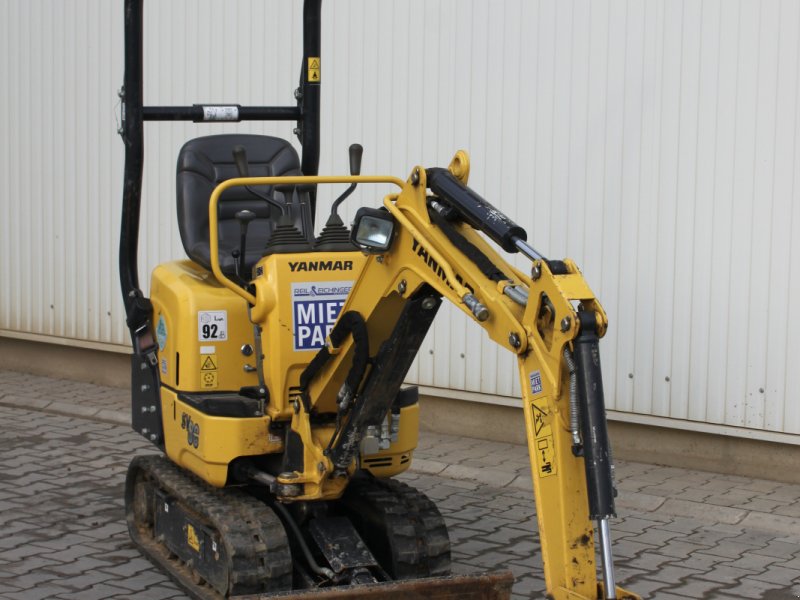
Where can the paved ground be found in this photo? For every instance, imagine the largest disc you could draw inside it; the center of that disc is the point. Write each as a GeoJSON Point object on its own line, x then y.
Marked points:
{"type": "Point", "coordinates": [681, 534]}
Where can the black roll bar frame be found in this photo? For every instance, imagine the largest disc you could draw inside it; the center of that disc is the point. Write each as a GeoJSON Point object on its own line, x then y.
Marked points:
{"type": "Point", "coordinates": [306, 113]}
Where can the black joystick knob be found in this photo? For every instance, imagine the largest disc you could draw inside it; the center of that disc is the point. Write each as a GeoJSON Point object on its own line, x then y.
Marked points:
{"type": "Point", "coordinates": [356, 151]}
{"type": "Point", "coordinates": [240, 158]}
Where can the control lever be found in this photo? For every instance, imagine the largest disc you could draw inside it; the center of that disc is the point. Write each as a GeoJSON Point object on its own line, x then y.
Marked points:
{"type": "Point", "coordinates": [240, 160]}
{"type": "Point", "coordinates": [244, 217]}
{"type": "Point", "coordinates": [356, 152]}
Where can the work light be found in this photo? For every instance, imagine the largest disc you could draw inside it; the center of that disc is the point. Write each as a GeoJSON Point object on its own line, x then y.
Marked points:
{"type": "Point", "coordinates": [373, 230]}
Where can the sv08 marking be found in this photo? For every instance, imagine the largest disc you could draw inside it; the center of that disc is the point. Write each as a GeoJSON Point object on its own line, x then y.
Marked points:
{"type": "Point", "coordinates": [192, 430]}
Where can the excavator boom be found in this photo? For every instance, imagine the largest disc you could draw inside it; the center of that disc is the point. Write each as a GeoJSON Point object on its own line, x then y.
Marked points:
{"type": "Point", "coordinates": [433, 249]}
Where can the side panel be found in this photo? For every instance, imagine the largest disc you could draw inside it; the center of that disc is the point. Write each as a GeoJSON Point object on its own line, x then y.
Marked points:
{"type": "Point", "coordinates": [206, 445]}
{"type": "Point", "coordinates": [200, 328]}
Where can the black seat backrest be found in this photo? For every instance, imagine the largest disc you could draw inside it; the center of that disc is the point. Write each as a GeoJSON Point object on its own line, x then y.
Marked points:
{"type": "Point", "coordinates": [205, 162]}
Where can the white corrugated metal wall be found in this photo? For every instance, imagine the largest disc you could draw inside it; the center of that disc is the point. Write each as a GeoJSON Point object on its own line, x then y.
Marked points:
{"type": "Point", "coordinates": [653, 141]}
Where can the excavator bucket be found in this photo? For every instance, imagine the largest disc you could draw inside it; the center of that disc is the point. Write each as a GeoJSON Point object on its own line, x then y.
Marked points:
{"type": "Point", "coordinates": [486, 586]}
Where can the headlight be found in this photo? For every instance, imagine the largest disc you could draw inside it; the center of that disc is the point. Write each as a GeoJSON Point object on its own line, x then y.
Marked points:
{"type": "Point", "coordinates": [373, 230]}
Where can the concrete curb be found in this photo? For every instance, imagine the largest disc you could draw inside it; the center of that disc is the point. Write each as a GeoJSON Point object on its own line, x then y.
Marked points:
{"type": "Point", "coordinates": [67, 409]}
{"type": "Point", "coordinates": [628, 501]}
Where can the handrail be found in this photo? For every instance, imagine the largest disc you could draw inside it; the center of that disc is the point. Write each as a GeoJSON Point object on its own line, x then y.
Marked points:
{"type": "Point", "coordinates": [213, 221]}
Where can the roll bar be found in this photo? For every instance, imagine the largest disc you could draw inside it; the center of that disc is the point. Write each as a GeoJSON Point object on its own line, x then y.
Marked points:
{"type": "Point", "coordinates": [305, 113]}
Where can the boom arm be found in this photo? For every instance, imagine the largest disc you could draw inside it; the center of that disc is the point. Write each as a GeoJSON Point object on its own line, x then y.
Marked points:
{"type": "Point", "coordinates": [426, 261]}
{"type": "Point", "coordinates": [553, 330]}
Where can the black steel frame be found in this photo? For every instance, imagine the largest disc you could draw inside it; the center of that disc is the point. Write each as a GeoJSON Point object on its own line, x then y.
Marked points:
{"type": "Point", "coordinates": [305, 113]}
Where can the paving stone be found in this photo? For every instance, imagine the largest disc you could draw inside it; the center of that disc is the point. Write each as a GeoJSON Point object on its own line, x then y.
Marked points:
{"type": "Point", "coordinates": [753, 588]}
{"type": "Point", "coordinates": [725, 574]}
{"type": "Point", "coordinates": [666, 547]}
{"type": "Point", "coordinates": [777, 523]}
{"type": "Point", "coordinates": [39, 592]}
{"type": "Point", "coordinates": [703, 511]}
{"type": "Point", "coordinates": [674, 574]}
{"type": "Point", "coordinates": [639, 502]}
{"type": "Point", "coordinates": [697, 588]}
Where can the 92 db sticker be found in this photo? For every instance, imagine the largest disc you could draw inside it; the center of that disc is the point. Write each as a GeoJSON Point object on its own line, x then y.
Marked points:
{"type": "Point", "coordinates": [212, 325]}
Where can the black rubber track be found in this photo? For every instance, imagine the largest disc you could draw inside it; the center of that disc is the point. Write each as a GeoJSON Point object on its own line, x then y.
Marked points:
{"type": "Point", "coordinates": [401, 526]}
{"type": "Point", "coordinates": [255, 543]}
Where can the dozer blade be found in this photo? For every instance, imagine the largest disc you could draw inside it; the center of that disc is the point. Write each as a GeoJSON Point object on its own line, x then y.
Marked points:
{"type": "Point", "coordinates": [488, 586]}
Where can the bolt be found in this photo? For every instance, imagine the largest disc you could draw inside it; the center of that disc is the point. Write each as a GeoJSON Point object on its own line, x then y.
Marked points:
{"type": "Point", "coordinates": [145, 387]}
{"type": "Point", "coordinates": [566, 323]}
{"type": "Point", "coordinates": [296, 406]}
{"type": "Point", "coordinates": [296, 131]}
{"type": "Point", "coordinates": [514, 340]}
{"type": "Point", "coordinates": [152, 408]}
{"type": "Point", "coordinates": [144, 409]}
{"type": "Point", "coordinates": [247, 350]}
{"type": "Point", "coordinates": [321, 468]}
{"type": "Point", "coordinates": [379, 258]}
{"type": "Point", "coordinates": [401, 287]}
{"type": "Point", "coordinates": [428, 303]}
{"type": "Point", "coordinates": [145, 430]}
{"type": "Point", "coordinates": [298, 93]}
{"type": "Point", "coordinates": [143, 366]}
{"type": "Point", "coordinates": [536, 271]}
{"type": "Point", "coordinates": [415, 177]}
{"type": "Point", "coordinates": [153, 437]}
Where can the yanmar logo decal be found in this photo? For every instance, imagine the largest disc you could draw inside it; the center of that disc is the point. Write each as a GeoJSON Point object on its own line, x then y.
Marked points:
{"type": "Point", "coordinates": [321, 265]}
{"type": "Point", "coordinates": [434, 266]}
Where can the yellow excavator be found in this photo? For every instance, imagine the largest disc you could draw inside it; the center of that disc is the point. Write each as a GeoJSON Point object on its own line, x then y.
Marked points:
{"type": "Point", "coordinates": [268, 367]}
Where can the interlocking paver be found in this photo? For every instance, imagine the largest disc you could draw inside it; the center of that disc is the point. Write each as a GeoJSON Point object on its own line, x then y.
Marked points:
{"type": "Point", "coordinates": [678, 534]}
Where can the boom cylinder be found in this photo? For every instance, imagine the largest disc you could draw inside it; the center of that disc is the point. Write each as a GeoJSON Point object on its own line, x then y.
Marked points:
{"type": "Point", "coordinates": [475, 210]}
{"type": "Point", "coordinates": [594, 430]}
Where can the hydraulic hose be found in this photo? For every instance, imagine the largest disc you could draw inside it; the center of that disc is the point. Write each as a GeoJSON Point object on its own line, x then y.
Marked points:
{"type": "Point", "coordinates": [298, 535]}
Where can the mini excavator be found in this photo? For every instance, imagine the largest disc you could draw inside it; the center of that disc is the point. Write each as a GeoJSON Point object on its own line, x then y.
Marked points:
{"type": "Point", "coordinates": [268, 367]}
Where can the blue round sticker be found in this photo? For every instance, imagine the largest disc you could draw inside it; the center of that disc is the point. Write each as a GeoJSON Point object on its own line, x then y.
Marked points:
{"type": "Point", "coordinates": [161, 333]}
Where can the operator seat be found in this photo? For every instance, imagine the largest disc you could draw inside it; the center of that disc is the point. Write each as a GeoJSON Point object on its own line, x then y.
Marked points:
{"type": "Point", "coordinates": [205, 162]}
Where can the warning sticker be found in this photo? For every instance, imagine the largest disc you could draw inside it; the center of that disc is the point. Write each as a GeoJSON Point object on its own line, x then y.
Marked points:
{"type": "Point", "coordinates": [315, 307]}
{"type": "Point", "coordinates": [208, 362]}
{"type": "Point", "coordinates": [545, 446]}
{"type": "Point", "coordinates": [212, 325]}
{"type": "Point", "coordinates": [208, 380]}
{"type": "Point", "coordinates": [313, 69]}
{"type": "Point", "coordinates": [208, 371]}
{"type": "Point", "coordinates": [546, 456]}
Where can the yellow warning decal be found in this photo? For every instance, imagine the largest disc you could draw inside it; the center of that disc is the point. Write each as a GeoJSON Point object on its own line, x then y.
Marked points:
{"type": "Point", "coordinates": [545, 445]}
{"type": "Point", "coordinates": [191, 538]}
{"type": "Point", "coordinates": [208, 372]}
{"type": "Point", "coordinates": [313, 69]}
{"type": "Point", "coordinates": [208, 362]}
{"type": "Point", "coordinates": [208, 380]}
